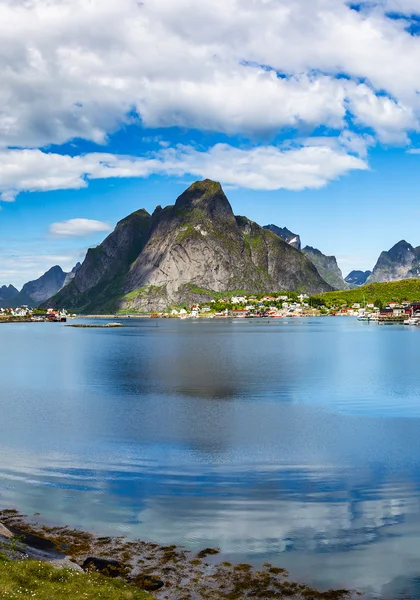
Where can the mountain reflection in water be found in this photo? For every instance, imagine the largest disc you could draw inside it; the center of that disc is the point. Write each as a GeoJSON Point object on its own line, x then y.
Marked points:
{"type": "Point", "coordinates": [295, 442]}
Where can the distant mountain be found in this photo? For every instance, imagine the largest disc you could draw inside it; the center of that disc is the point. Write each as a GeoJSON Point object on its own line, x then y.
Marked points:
{"type": "Point", "coordinates": [291, 238]}
{"type": "Point", "coordinates": [39, 290]}
{"type": "Point", "coordinates": [35, 292]}
{"type": "Point", "coordinates": [7, 293]}
{"type": "Point", "coordinates": [357, 277]}
{"type": "Point", "coordinates": [181, 253]}
{"type": "Point", "coordinates": [327, 267]}
{"type": "Point", "coordinates": [402, 261]}
{"type": "Point", "coordinates": [44, 287]}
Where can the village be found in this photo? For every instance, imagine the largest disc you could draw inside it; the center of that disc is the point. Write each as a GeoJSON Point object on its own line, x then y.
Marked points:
{"type": "Point", "coordinates": [282, 306]}
{"type": "Point", "coordinates": [27, 314]}
{"type": "Point", "coordinates": [245, 307]}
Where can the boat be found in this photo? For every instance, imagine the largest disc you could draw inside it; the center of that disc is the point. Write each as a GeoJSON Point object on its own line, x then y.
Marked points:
{"type": "Point", "coordinates": [412, 321]}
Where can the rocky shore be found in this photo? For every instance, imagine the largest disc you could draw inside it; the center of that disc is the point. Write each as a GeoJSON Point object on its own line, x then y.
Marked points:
{"type": "Point", "coordinates": [167, 572]}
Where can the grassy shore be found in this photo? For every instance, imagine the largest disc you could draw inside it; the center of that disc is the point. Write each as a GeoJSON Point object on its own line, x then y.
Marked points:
{"type": "Point", "coordinates": [39, 580]}
{"type": "Point", "coordinates": [186, 575]}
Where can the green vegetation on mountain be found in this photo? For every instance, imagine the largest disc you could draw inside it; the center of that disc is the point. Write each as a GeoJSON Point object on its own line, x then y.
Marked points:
{"type": "Point", "coordinates": [379, 293]}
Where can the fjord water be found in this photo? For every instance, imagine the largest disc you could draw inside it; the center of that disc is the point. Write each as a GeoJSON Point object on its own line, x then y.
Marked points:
{"type": "Point", "coordinates": [292, 441]}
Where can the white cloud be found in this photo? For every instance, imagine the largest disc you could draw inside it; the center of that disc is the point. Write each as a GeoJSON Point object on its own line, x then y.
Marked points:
{"type": "Point", "coordinates": [77, 228]}
{"type": "Point", "coordinates": [264, 168]}
{"type": "Point", "coordinates": [72, 68]}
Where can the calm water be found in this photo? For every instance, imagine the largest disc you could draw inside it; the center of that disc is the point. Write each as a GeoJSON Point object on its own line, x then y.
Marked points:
{"type": "Point", "coordinates": [294, 441]}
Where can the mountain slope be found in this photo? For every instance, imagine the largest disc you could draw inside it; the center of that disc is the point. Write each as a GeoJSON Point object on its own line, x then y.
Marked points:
{"type": "Point", "coordinates": [291, 238]}
{"type": "Point", "coordinates": [150, 262]}
{"type": "Point", "coordinates": [357, 277]}
{"type": "Point", "coordinates": [99, 280]}
{"type": "Point", "coordinates": [70, 276]}
{"type": "Point", "coordinates": [327, 267]}
{"type": "Point", "coordinates": [402, 261]}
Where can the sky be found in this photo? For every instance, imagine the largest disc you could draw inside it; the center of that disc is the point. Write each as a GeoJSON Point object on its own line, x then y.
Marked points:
{"type": "Point", "coordinates": [307, 112]}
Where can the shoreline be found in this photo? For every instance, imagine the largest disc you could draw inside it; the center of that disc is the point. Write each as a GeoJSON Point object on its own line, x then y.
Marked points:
{"type": "Point", "coordinates": [185, 574]}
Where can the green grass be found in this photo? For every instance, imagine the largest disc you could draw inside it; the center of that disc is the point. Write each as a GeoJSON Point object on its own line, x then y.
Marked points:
{"type": "Point", "coordinates": [394, 291]}
{"type": "Point", "coordinates": [38, 580]}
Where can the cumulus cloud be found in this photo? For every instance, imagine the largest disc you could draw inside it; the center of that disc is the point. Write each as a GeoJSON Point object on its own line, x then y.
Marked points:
{"type": "Point", "coordinates": [264, 168]}
{"type": "Point", "coordinates": [77, 228]}
{"type": "Point", "coordinates": [72, 68]}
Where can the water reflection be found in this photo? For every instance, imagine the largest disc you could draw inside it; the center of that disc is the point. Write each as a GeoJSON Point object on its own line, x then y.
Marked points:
{"type": "Point", "coordinates": [292, 442]}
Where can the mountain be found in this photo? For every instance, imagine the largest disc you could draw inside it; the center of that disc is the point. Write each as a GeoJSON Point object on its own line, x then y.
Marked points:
{"type": "Point", "coordinates": [357, 277]}
{"type": "Point", "coordinates": [183, 253]}
{"type": "Point", "coordinates": [70, 276]}
{"type": "Point", "coordinates": [402, 261]}
{"type": "Point", "coordinates": [35, 292]}
{"type": "Point", "coordinates": [291, 238]}
{"type": "Point", "coordinates": [7, 293]}
{"type": "Point", "coordinates": [327, 267]}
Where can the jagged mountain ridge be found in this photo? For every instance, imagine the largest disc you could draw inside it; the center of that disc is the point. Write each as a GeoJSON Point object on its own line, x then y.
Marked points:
{"type": "Point", "coordinates": [357, 277]}
{"type": "Point", "coordinates": [402, 261]}
{"type": "Point", "coordinates": [327, 267]}
{"type": "Point", "coordinates": [174, 255]}
{"type": "Point", "coordinates": [7, 293]}
{"type": "Point", "coordinates": [288, 236]}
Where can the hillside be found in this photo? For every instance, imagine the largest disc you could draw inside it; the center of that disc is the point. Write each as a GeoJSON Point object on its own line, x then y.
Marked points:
{"type": "Point", "coordinates": [379, 293]}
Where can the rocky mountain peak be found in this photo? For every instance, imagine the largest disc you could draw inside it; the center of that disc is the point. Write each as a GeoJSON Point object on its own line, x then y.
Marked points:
{"type": "Point", "coordinates": [357, 277]}
{"type": "Point", "coordinates": [7, 292]}
{"type": "Point", "coordinates": [288, 236]}
{"type": "Point", "coordinates": [400, 249]}
{"type": "Point", "coordinates": [400, 262]}
{"type": "Point", "coordinates": [207, 196]}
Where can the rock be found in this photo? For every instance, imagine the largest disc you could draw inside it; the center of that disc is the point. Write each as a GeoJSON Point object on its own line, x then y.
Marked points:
{"type": "Point", "coordinates": [208, 552]}
{"type": "Point", "coordinates": [19, 545]}
{"type": "Point", "coordinates": [106, 566]}
{"type": "Point", "coordinates": [149, 583]}
{"type": "Point", "coordinates": [5, 532]}
{"type": "Point", "coordinates": [32, 540]}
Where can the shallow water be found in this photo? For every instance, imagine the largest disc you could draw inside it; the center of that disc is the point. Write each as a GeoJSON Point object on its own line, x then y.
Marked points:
{"type": "Point", "coordinates": [293, 441]}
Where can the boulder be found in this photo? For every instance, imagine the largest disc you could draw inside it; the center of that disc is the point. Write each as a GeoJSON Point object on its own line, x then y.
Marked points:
{"type": "Point", "coordinates": [106, 566]}
{"type": "Point", "coordinates": [149, 583]}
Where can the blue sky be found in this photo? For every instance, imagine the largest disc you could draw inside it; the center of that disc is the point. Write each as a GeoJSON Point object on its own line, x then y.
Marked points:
{"type": "Point", "coordinates": [308, 114]}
